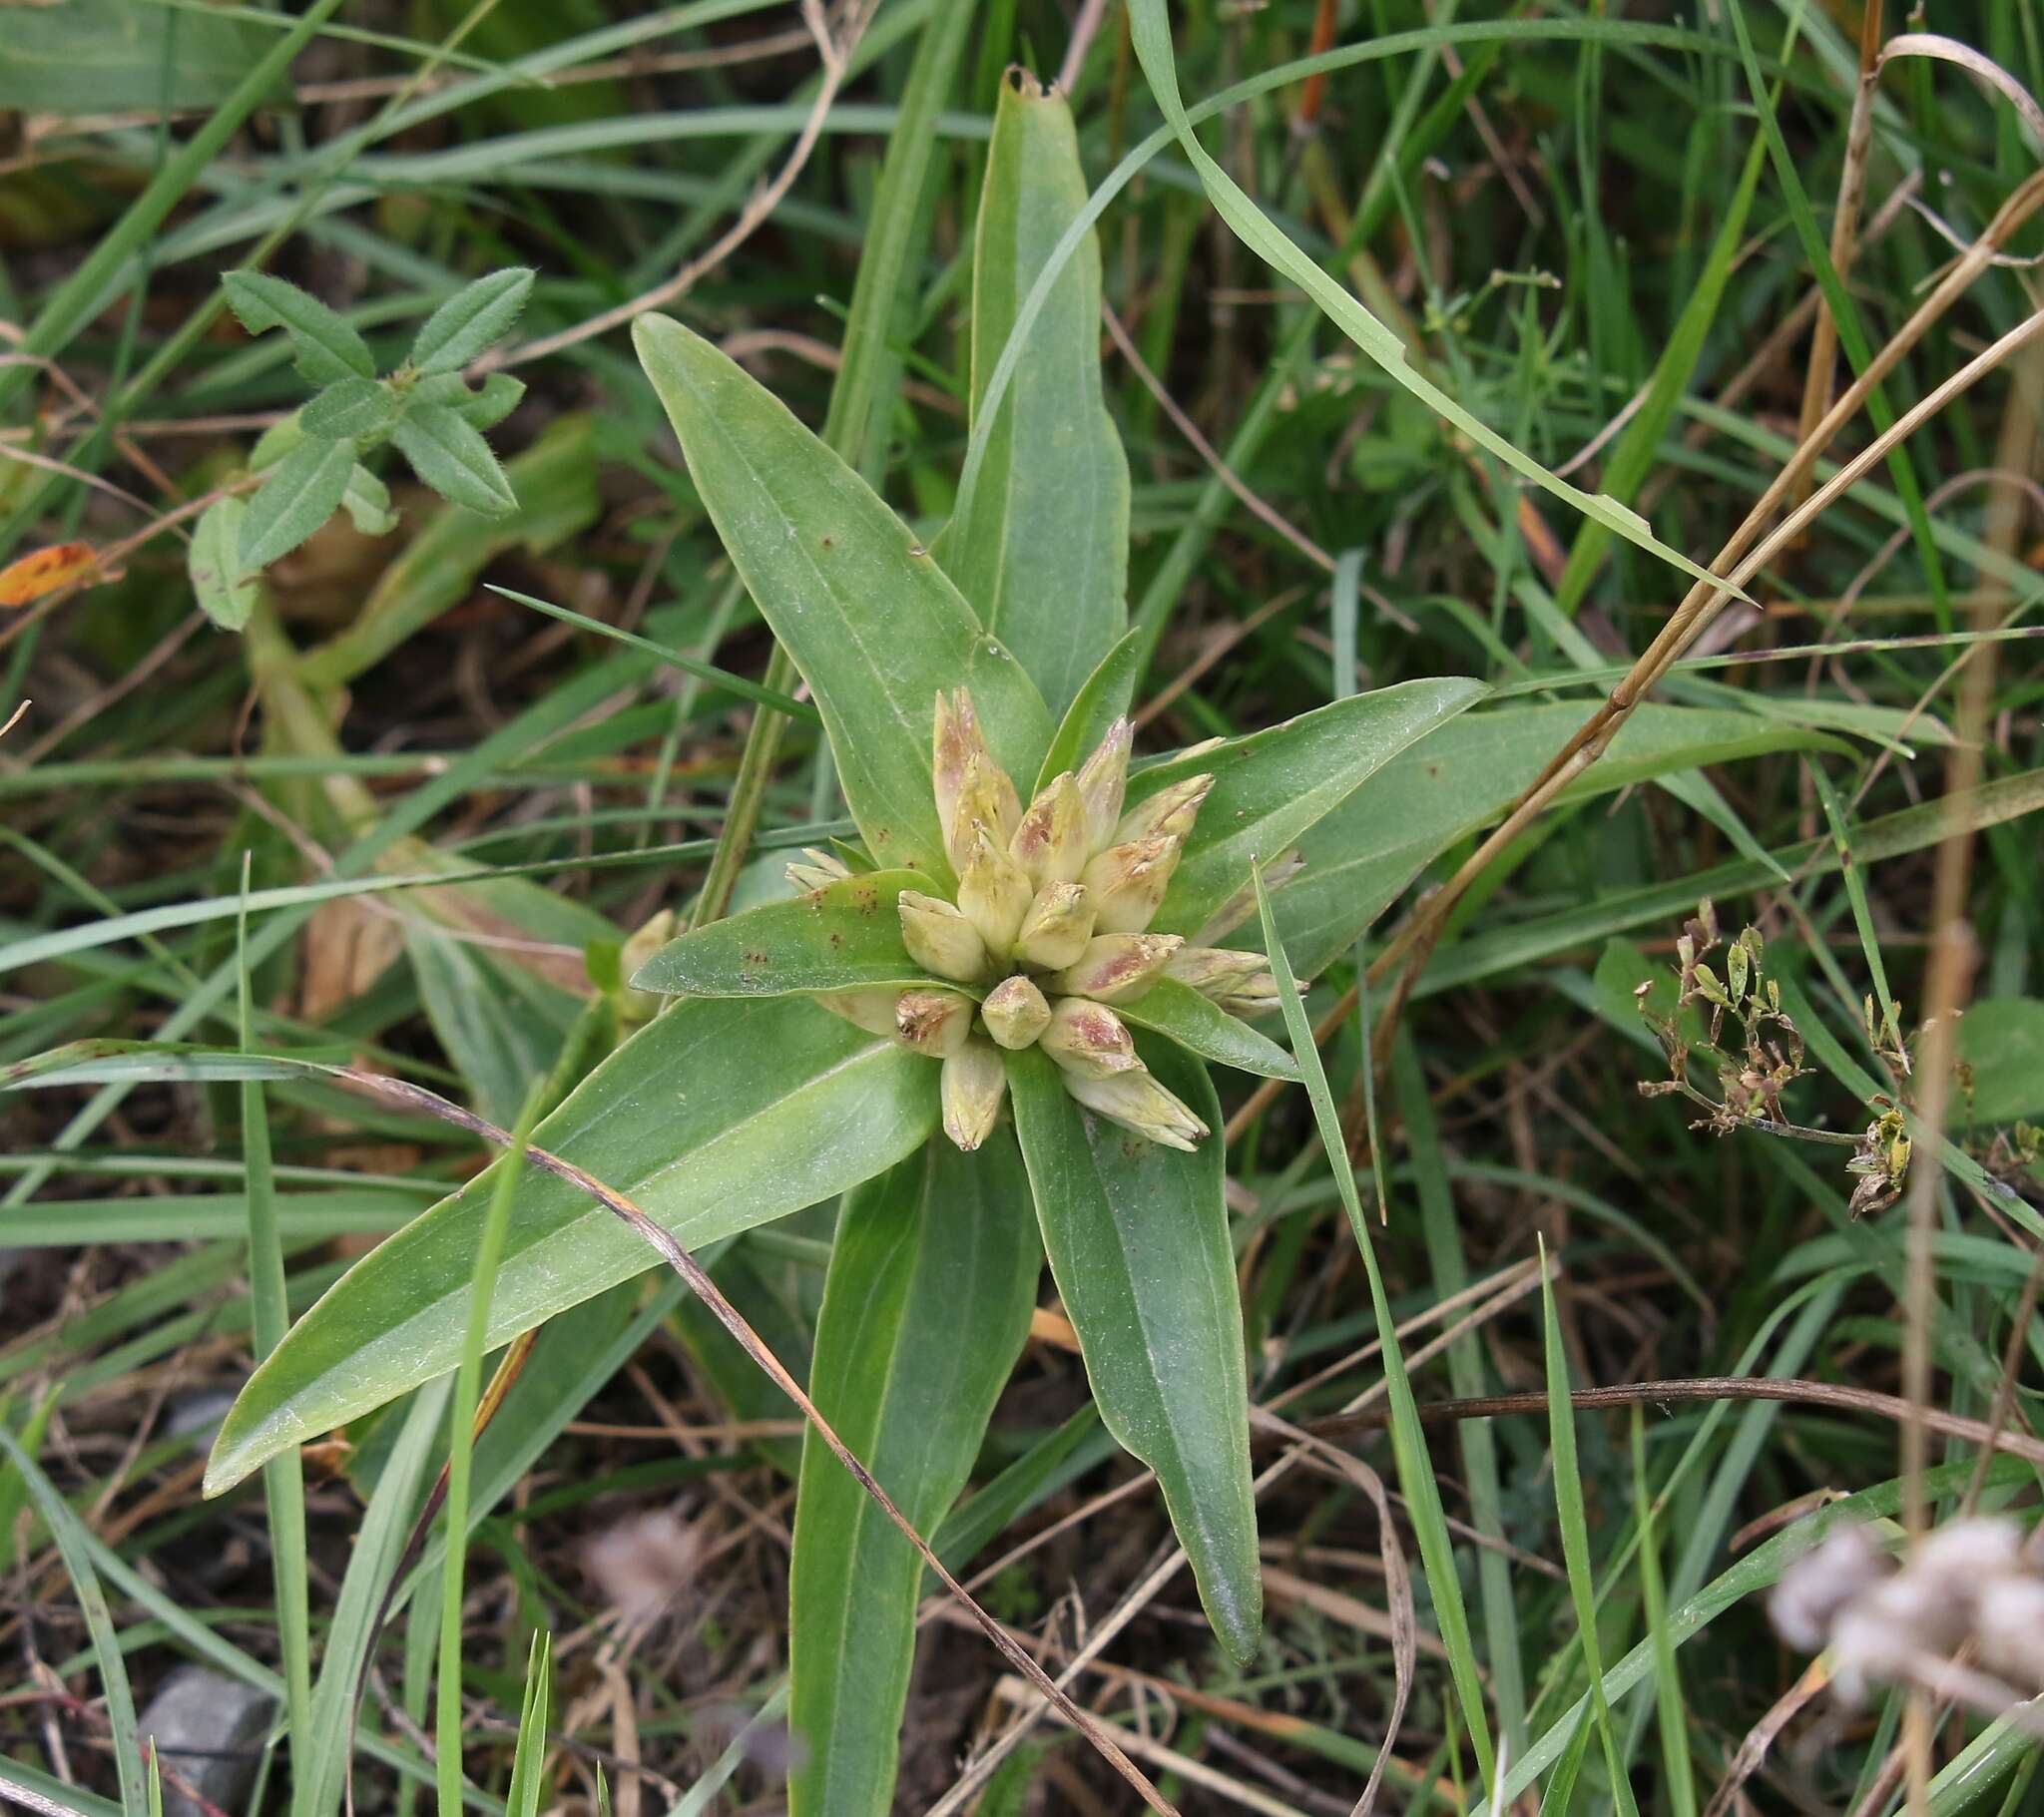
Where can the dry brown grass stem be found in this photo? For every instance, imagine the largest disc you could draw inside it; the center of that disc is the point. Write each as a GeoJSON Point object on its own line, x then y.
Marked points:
{"type": "Point", "coordinates": [1823, 340]}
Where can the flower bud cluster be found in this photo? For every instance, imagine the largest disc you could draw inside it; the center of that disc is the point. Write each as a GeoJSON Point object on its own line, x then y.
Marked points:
{"type": "Point", "coordinates": [1047, 933]}
{"type": "Point", "coordinates": [1962, 1613]}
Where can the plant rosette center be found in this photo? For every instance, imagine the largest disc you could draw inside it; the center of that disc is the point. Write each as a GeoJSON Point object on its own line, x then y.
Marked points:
{"type": "Point", "coordinates": [1051, 914]}
{"type": "Point", "coordinates": [1044, 939]}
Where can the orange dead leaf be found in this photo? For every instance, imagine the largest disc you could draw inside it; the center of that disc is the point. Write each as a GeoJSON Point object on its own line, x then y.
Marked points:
{"type": "Point", "coordinates": [43, 571]}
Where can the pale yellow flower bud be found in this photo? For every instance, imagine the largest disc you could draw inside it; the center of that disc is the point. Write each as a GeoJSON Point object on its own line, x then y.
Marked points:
{"type": "Point", "coordinates": [941, 939]}
{"type": "Point", "coordinates": [1169, 810]}
{"type": "Point", "coordinates": [1015, 1012]}
{"type": "Point", "coordinates": [1088, 1039]}
{"type": "Point", "coordinates": [1137, 1102]}
{"type": "Point", "coordinates": [869, 1009]}
{"type": "Point", "coordinates": [1241, 982]}
{"type": "Point", "coordinates": [971, 1089]}
{"type": "Point", "coordinates": [815, 870]}
{"type": "Point", "coordinates": [933, 1022]}
{"type": "Point", "coordinates": [1103, 779]}
{"type": "Point", "coordinates": [1128, 882]}
{"type": "Point", "coordinates": [643, 1005]}
{"type": "Point", "coordinates": [1115, 968]}
{"type": "Point", "coordinates": [993, 893]}
{"type": "Point", "coordinates": [1057, 927]}
{"type": "Point", "coordinates": [1243, 904]}
{"type": "Point", "coordinates": [1051, 844]}
{"type": "Point", "coordinates": [955, 741]}
{"type": "Point", "coordinates": [986, 804]}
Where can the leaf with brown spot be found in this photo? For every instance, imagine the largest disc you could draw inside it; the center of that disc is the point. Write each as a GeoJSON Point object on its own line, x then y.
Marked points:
{"type": "Point", "coordinates": [42, 571]}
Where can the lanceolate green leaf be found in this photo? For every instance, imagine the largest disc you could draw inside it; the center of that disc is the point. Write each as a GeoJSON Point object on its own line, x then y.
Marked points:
{"type": "Point", "coordinates": [715, 1117]}
{"type": "Point", "coordinates": [1206, 1028]}
{"type": "Point", "coordinates": [868, 616]}
{"type": "Point", "coordinates": [843, 937]}
{"type": "Point", "coordinates": [326, 347]}
{"type": "Point", "coordinates": [214, 563]}
{"type": "Point", "coordinates": [453, 459]}
{"type": "Point", "coordinates": [469, 321]}
{"type": "Point", "coordinates": [931, 1283]}
{"type": "Point", "coordinates": [347, 407]}
{"type": "Point", "coordinates": [1150, 27]}
{"type": "Point", "coordinates": [1100, 702]}
{"type": "Point", "coordinates": [1042, 551]}
{"type": "Point", "coordinates": [1271, 785]}
{"type": "Point", "coordinates": [1138, 1241]}
{"type": "Point", "coordinates": [1370, 848]}
{"type": "Point", "coordinates": [303, 491]}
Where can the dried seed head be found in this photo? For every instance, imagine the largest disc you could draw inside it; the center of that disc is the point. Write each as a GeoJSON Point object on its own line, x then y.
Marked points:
{"type": "Point", "coordinates": [933, 1022]}
{"type": "Point", "coordinates": [1050, 844]}
{"type": "Point", "coordinates": [1964, 1554]}
{"type": "Point", "coordinates": [1243, 904]}
{"type": "Point", "coordinates": [1137, 1102]}
{"type": "Point", "coordinates": [815, 870]}
{"type": "Point", "coordinates": [2009, 1630]}
{"type": "Point", "coordinates": [1128, 882]}
{"type": "Point", "coordinates": [1824, 1581]}
{"type": "Point", "coordinates": [993, 893]}
{"type": "Point", "coordinates": [1057, 927]}
{"type": "Point", "coordinates": [1015, 1012]}
{"type": "Point", "coordinates": [1169, 810]}
{"type": "Point", "coordinates": [1089, 1037]}
{"type": "Point", "coordinates": [646, 1563]}
{"type": "Point", "coordinates": [1103, 779]}
{"type": "Point", "coordinates": [973, 1084]}
{"type": "Point", "coordinates": [941, 939]}
{"type": "Point", "coordinates": [1115, 968]}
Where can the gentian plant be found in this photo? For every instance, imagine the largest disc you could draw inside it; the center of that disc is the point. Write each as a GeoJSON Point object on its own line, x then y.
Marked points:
{"type": "Point", "coordinates": [983, 1027]}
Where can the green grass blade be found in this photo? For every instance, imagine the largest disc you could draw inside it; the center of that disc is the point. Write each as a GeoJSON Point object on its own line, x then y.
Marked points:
{"type": "Point", "coordinates": [284, 1483]}
{"type": "Point", "coordinates": [1415, 1469]}
{"type": "Point", "coordinates": [1668, 1698]}
{"type": "Point", "coordinates": [71, 1538]}
{"type": "Point", "coordinates": [490, 1252]}
{"type": "Point", "coordinates": [1575, 1534]}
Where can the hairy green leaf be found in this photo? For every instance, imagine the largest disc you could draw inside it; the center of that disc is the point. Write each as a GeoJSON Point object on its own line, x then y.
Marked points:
{"type": "Point", "coordinates": [368, 503]}
{"type": "Point", "coordinates": [469, 321]}
{"type": "Point", "coordinates": [451, 457]}
{"type": "Point", "coordinates": [347, 408]}
{"type": "Point", "coordinates": [303, 491]}
{"type": "Point", "coordinates": [214, 563]}
{"type": "Point", "coordinates": [324, 349]}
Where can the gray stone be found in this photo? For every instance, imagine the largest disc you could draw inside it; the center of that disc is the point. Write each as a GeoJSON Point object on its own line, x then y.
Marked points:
{"type": "Point", "coordinates": [208, 1730]}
